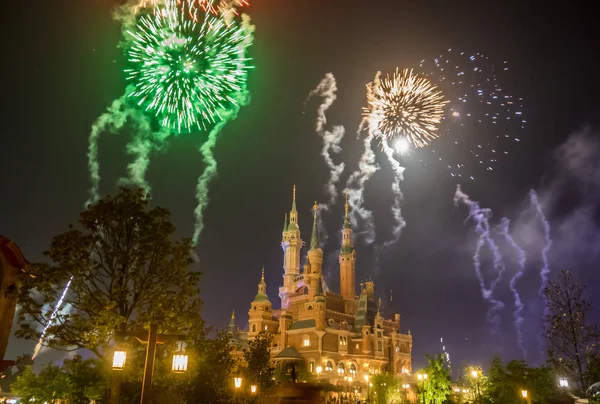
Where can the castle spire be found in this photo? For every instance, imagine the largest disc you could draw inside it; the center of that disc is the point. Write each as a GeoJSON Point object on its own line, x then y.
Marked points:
{"type": "Point", "coordinates": [293, 225]}
{"type": "Point", "coordinates": [314, 239]}
{"type": "Point", "coordinates": [231, 328]}
{"type": "Point", "coordinates": [262, 274]}
{"type": "Point", "coordinates": [294, 199]}
{"type": "Point", "coordinates": [285, 223]}
{"type": "Point", "coordinates": [347, 224]}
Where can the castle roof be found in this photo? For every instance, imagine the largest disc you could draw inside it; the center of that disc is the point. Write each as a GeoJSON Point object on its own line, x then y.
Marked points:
{"type": "Point", "coordinates": [298, 325]}
{"type": "Point", "coordinates": [289, 353]}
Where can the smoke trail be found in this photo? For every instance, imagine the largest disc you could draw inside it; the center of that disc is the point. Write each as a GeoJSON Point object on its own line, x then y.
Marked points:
{"type": "Point", "coordinates": [519, 306]}
{"type": "Point", "coordinates": [210, 171]}
{"type": "Point", "coordinates": [51, 319]}
{"type": "Point", "coordinates": [481, 217]}
{"type": "Point", "coordinates": [361, 217]}
{"type": "Point", "coordinates": [327, 89]}
{"type": "Point", "coordinates": [545, 271]}
{"type": "Point", "coordinates": [112, 120]}
{"type": "Point", "coordinates": [396, 210]}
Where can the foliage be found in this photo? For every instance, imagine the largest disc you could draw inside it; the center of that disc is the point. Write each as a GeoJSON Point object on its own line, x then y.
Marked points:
{"type": "Point", "coordinates": [474, 387]}
{"type": "Point", "coordinates": [571, 339]}
{"type": "Point", "coordinates": [259, 367]}
{"type": "Point", "coordinates": [386, 389]}
{"type": "Point", "coordinates": [436, 388]}
{"type": "Point", "coordinates": [127, 272]}
{"type": "Point", "coordinates": [506, 383]}
{"type": "Point", "coordinates": [50, 386]}
{"type": "Point", "coordinates": [78, 382]}
{"type": "Point", "coordinates": [88, 380]}
{"type": "Point", "coordinates": [212, 382]}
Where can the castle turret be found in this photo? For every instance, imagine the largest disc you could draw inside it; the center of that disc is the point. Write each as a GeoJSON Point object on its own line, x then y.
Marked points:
{"type": "Point", "coordinates": [315, 256]}
{"type": "Point", "coordinates": [260, 313]}
{"type": "Point", "coordinates": [232, 328]}
{"type": "Point", "coordinates": [320, 307]}
{"type": "Point", "coordinates": [291, 245]}
{"type": "Point", "coordinates": [347, 259]}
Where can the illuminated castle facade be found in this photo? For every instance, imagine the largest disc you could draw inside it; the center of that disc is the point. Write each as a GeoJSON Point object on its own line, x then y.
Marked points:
{"type": "Point", "coordinates": [332, 336]}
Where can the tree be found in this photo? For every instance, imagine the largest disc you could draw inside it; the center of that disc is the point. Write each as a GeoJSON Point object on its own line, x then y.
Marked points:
{"type": "Point", "coordinates": [386, 389]}
{"type": "Point", "coordinates": [126, 272]}
{"type": "Point", "coordinates": [87, 378]}
{"type": "Point", "coordinates": [212, 381]}
{"type": "Point", "coordinates": [436, 388]}
{"type": "Point", "coordinates": [571, 339]}
{"type": "Point", "coordinates": [259, 367]}
{"type": "Point", "coordinates": [506, 383]}
{"type": "Point", "coordinates": [50, 386]}
{"type": "Point", "coordinates": [475, 385]}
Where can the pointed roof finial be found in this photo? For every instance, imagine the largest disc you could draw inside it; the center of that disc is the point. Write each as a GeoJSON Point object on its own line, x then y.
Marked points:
{"type": "Point", "coordinates": [262, 275]}
{"type": "Point", "coordinates": [294, 194]}
{"type": "Point", "coordinates": [233, 314]}
{"type": "Point", "coordinates": [293, 203]}
{"type": "Point", "coordinates": [314, 239]}
{"type": "Point", "coordinates": [285, 223]}
{"type": "Point", "coordinates": [346, 206]}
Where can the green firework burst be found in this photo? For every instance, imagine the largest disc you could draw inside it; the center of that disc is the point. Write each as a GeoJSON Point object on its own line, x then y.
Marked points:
{"type": "Point", "coordinates": [187, 69]}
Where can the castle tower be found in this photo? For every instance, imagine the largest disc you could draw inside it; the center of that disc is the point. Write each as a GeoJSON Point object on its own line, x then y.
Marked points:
{"type": "Point", "coordinates": [347, 260]}
{"type": "Point", "coordinates": [315, 256]}
{"type": "Point", "coordinates": [291, 245]}
{"type": "Point", "coordinates": [260, 313]}
{"type": "Point", "coordinates": [320, 307]}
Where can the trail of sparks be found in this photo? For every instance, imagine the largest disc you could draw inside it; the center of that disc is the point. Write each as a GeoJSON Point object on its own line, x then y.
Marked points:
{"type": "Point", "coordinates": [38, 347]}
{"type": "Point", "coordinates": [396, 209]}
{"type": "Point", "coordinates": [519, 306]}
{"type": "Point", "coordinates": [405, 105]}
{"type": "Point", "coordinates": [216, 7]}
{"type": "Point", "coordinates": [361, 217]}
{"type": "Point", "coordinates": [327, 89]}
{"type": "Point", "coordinates": [481, 218]}
{"type": "Point", "coordinates": [545, 271]}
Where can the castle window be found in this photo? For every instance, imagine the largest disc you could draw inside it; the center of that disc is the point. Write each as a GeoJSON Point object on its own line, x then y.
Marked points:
{"type": "Point", "coordinates": [311, 367]}
{"type": "Point", "coordinates": [266, 328]}
{"type": "Point", "coordinates": [343, 341]}
{"type": "Point", "coordinates": [253, 327]}
{"type": "Point", "coordinates": [328, 366]}
{"type": "Point", "coordinates": [341, 369]}
{"type": "Point", "coordinates": [397, 349]}
{"type": "Point", "coordinates": [378, 334]}
{"type": "Point", "coordinates": [356, 346]}
{"type": "Point", "coordinates": [379, 346]}
{"type": "Point", "coordinates": [306, 341]}
{"type": "Point", "coordinates": [352, 369]}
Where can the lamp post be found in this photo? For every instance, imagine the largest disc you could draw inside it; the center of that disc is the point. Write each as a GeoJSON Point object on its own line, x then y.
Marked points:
{"type": "Point", "coordinates": [422, 377]}
{"type": "Point", "coordinates": [368, 389]}
{"type": "Point", "coordinates": [475, 375]}
{"type": "Point", "coordinates": [319, 370]}
{"type": "Point", "coordinates": [152, 338]}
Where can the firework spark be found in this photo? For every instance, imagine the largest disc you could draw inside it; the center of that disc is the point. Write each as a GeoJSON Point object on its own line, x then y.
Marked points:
{"type": "Point", "coordinates": [185, 72]}
{"type": "Point", "coordinates": [484, 122]}
{"type": "Point", "coordinates": [405, 105]}
{"type": "Point", "coordinates": [215, 7]}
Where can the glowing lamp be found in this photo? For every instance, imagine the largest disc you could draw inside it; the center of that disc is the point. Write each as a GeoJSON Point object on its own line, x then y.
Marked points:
{"type": "Point", "coordinates": [524, 393]}
{"type": "Point", "coordinates": [180, 363]}
{"type": "Point", "coordinates": [119, 358]}
{"type": "Point", "coordinates": [563, 382]}
{"type": "Point", "coordinates": [238, 382]}
{"type": "Point", "coordinates": [319, 369]}
{"type": "Point", "coordinates": [367, 378]}
{"type": "Point", "coordinates": [253, 389]}
{"type": "Point", "coordinates": [475, 373]}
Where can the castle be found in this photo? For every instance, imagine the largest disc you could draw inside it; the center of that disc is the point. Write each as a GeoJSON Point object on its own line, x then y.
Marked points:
{"type": "Point", "coordinates": [336, 337]}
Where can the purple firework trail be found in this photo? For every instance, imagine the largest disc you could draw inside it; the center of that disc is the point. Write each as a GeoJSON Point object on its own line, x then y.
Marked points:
{"type": "Point", "coordinates": [482, 227]}
{"type": "Point", "coordinates": [519, 306]}
{"type": "Point", "coordinates": [545, 271]}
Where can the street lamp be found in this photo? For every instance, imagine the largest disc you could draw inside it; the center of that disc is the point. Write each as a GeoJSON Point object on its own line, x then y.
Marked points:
{"type": "Point", "coordinates": [319, 370]}
{"type": "Point", "coordinates": [119, 358]}
{"type": "Point", "coordinates": [237, 382]}
{"type": "Point", "coordinates": [563, 383]}
{"type": "Point", "coordinates": [524, 394]}
{"type": "Point", "coordinates": [253, 389]}
{"type": "Point", "coordinates": [422, 378]}
{"type": "Point", "coordinates": [180, 363]}
{"type": "Point", "coordinates": [475, 375]}
{"type": "Point", "coordinates": [368, 384]}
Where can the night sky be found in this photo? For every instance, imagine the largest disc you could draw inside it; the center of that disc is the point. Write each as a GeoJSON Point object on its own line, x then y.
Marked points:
{"type": "Point", "coordinates": [62, 68]}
